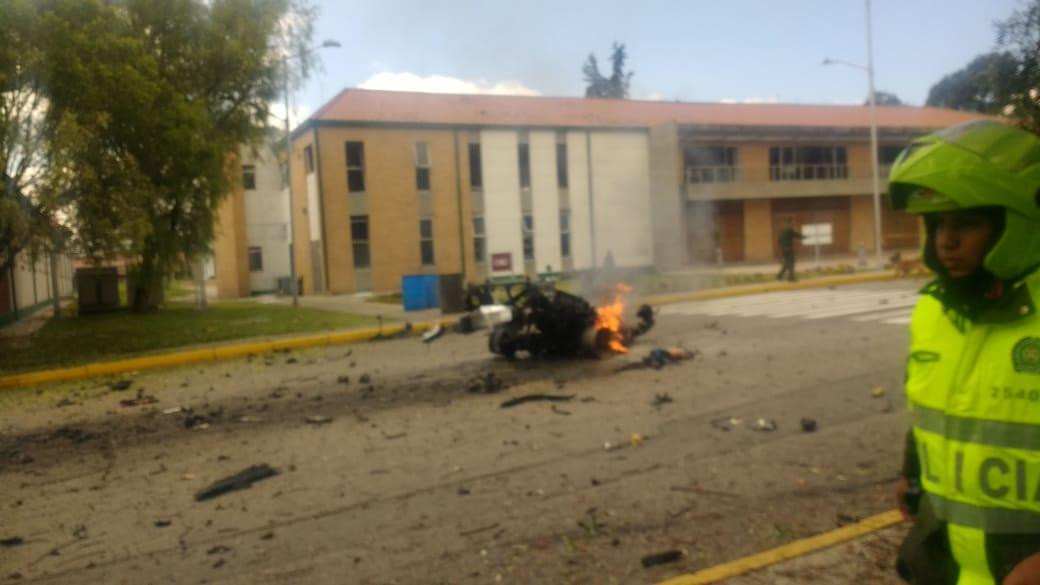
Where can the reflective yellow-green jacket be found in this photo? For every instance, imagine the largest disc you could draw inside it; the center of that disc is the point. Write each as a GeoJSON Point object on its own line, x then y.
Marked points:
{"type": "Point", "coordinates": [973, 391]}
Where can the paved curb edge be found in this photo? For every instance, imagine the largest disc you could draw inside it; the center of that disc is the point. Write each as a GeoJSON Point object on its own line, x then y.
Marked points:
{"type": "Point", "coordinates": [788, 551]}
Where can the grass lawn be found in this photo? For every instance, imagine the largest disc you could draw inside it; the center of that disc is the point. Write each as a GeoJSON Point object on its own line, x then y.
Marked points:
{"type": "Point", "coordinates": [72, 340]}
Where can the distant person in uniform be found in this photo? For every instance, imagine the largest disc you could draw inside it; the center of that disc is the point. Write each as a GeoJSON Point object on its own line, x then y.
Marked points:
{"type": "Point", "coordinates": [971, 470]}
{"type": "Point", "coordinates": [786, 241]}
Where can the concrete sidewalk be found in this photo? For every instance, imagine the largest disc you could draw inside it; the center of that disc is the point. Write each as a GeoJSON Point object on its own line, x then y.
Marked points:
{"type": "Point", "coordinates": [848, 261]}
{"type": "Point", "coordinates": [29, 325]}
{"type": "Point", "coordinates": [354, 304]}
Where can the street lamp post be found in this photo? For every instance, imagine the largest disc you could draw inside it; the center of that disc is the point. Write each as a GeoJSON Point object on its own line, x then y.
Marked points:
{"type": "Point", "coordinates": [875, 178]}
{"type": "Point", "coordinates": [288, 170]}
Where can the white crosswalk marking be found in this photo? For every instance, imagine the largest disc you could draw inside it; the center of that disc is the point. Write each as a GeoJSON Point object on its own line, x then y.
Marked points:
{"type": "Point", "coordinates": [891, 307]}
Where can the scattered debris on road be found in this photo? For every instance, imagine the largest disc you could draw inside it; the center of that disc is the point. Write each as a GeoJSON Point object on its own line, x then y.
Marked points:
{"type": "Point", "coordinates": [318, 419]}
{"type": "Point", "coordinates": [12, 541]}
{"type": "Point", "coordinates": [557, 410]}
{"type": "Point", "coordinates": [120, 385]}
{"type": "Point", "coordinates": [764, 425]}
{"type": "Point", "coordinates": [808, 425]}
{"type": "Point", "coordinates": [173, 410]}
{"type": "Point", "coordinates": [343, 380]}
{"type": "Point", "coordinates": [661, 399]}
{"type": "Point", "coordinates": [660, 357]}
{"type": "Point", "coordinates": [877, 392]}
{"type": "Point", "coordinates": [487, 383]}
{"type": "Point", "coordinates": [536, 398]}
{"type": "Point", "coordinates": [433, 334]}
{"type": "Point", "coordinates": [241, 480]}
{"type": "Point", "coordinates": [73, 434]}
{"type": "Point", "coordinates": [661, 558]}
{"type": "Point", "coordinates": [140, 400]}
{"type": "Point", "coordinates": [162, 523]}
{"type": "Point", "coordinates": [726, 423]}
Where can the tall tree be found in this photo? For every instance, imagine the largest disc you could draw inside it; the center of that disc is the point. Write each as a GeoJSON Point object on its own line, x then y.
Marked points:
{"type": "Point", "coordinates": [984, 85]}
{"type": "Point", "coordinates": [153, 99]}
{"type": "Point", "coordinates": [884, 98]}
{"type": "Point", "coordinates": [26, 207]}
{"type": "Point", "coordinates": [617, 85]}
{"type": "Point", "coordinates": [1019, 35]}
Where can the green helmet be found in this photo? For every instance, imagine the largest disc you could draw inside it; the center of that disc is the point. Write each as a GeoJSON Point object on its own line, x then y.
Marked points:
{"type": "Point", "coordinates": [978, 164]}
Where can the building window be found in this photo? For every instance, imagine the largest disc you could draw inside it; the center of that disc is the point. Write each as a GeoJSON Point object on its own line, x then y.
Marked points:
{"type": "Point", "coordinates": [479, 239]}
{"type": "Point", "coordinates": [476, 171]}
{"type": "Point", "coordinates": [710, 164]}
{"type": "Point", "coordinates": [359, 241]}
{"type": "Point", "coordinates": [524, 158]}
{"type": "Point", "coordinates": [426, 241]}
{"type": "Point", "coordinates": [528, 229]}
{"type": "Point", "coordinates": [807, 163]}
{"type": "Point", "coordinates": [355, 167]}
{"type": "Point", "coordinates": [422, 166]}
{"type": "Point", "coordinates": [887, 155]}
{"type": "Point", "coordinates": [256, 259]}
{"type": "Point", "coordinates": [308, 159]}
{"type": "Point", "coordinates": [248, 177]}
{"type": "Point", "coordinates": [561, 165]}
{"type": "Point", "coordinates": [565, 233]}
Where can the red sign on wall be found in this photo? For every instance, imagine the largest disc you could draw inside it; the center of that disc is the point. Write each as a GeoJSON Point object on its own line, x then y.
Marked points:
{"type": "Point", "coordinates": [502, 262]}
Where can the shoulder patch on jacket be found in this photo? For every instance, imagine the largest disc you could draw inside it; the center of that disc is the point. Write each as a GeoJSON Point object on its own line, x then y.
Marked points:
{"type": "Point", "coordinates": [1026, 355]}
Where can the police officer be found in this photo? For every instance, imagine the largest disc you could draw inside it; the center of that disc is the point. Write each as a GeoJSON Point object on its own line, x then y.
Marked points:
{"type": "Point", "coordinates": [973, 373]}
{"type": "Point", "coordinates": [785, 241]}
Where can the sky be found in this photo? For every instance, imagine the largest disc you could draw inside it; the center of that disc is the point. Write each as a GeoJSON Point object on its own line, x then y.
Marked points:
{"type": "Point", "coordinates": [687, 50]}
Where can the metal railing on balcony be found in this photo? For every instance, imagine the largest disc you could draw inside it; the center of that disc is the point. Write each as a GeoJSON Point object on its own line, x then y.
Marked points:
{"type": "Point", "coordinates": [698, 175]}
{"type": "Point", "coordinates": [805, 172]}
{"type": "Point", "coordinates": [710, 174]}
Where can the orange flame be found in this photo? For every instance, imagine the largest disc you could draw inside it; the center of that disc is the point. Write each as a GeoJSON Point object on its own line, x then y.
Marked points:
{"type": "Point", "coordinates": [608, 318]}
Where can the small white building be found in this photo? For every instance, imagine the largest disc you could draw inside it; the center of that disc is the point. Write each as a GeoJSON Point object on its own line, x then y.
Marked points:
{"type": "Point", "coordinates": [27, 286]}
{"type": "Point", "coordinates": [267, 219]}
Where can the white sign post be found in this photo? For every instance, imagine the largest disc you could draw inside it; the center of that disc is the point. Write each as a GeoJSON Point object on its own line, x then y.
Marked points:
{"type": "Point", "coordinates": [816, 235]}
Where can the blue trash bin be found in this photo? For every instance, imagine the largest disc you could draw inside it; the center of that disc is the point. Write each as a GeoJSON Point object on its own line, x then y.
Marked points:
{"type": "Point", "coordinates": [420, 292]}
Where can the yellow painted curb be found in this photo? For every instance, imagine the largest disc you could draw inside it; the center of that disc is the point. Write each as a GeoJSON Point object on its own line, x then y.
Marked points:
{"type": "Point", "coordinates": [736, 291]}
{"type": "Point", "coordinates": [788, 551]}
{"type": "Point", "coordinates": [208, 354]}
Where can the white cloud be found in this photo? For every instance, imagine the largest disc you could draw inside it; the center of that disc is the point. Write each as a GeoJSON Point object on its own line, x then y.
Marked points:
{"type": "Point", "coordinates": [405, 81]}
{"type": "Point", "coordinates": [752, 100]}
{"type": "Point", "coordinates": [300, 112]}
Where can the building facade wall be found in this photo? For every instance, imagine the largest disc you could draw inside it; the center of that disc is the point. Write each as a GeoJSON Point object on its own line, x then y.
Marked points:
{"type": "Point", "coordinates": [392, 203]}
{"type": "Point", "coordinates": [758, 230]}
{"type": "Point", "coordinates": [545, 198]}
{"type": "Point", "coordinates": [502, 213]}
{"type": "Point", "coordinates": [667, 197]}
{"type": "Point", "coordinates": [621, 196]}
{"type": "Point", "coordinates": [267, 222]}
{"type": "Point", "coordinates": [394, 206]}
{"type": "Point", "coordinates": [229, 249]}
{"type": "Point", "coordinates": [861, 212]}
{"type": "Point", "coordinates": [578, 195]}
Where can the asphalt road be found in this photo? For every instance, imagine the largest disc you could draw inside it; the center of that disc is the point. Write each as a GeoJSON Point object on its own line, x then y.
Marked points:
{"type": "Point", "coordinates": [416, 478]}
